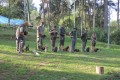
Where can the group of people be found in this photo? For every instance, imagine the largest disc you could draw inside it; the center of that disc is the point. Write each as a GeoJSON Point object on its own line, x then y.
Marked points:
{"type": "Point", "coordinates": [21, 32]}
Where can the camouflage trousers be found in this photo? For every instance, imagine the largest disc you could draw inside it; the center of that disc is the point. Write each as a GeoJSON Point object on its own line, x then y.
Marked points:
{"type": "Point", "coordinates": [18, 42]}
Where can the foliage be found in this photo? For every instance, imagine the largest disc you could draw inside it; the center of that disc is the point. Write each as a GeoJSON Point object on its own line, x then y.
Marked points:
{"type": "Point", "coordinates": [16, 8]}
{"type": "Point", "coordinates": [115, 37]}
{"type": "Point", "coordinates": [101, 34]}
{"type": "Point", "coordinates": [113, 24]}
{"type": "Point", "coordinates": [111, 76]}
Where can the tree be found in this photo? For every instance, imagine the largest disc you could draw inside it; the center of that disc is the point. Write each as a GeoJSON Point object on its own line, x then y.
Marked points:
{"type": "Point", "coordinates": [118, 14]}
{"type": "Point", "coordinates": [105, 13]}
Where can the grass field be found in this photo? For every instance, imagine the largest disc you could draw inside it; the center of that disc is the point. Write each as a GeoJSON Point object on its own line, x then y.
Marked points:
{"type": "Point", "coordinates": [54, 66]}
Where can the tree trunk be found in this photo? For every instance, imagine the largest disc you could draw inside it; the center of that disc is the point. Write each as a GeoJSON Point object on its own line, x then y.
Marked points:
{"type": "Point", "coordinates": [85, 13]}
{"type": "Point", "coordinates": [28, 10]}
{"type": "Point", "coordinates": [118, 16]}
{"type": "Point", "coordinates": [43, 10]}
{"type": "Point", "coordinates": [74, 14]}
{"type": "Point", "coordinates": [9, 14]}
{"type": "Point", "coordinates": [48, 9]}
{"type": "Point", "coordinates": [81, 16]}
{"type": "Point", "coordinates": [69, 17]}
{"type": "Point", "coordinates": [94, 15]}
{"type": "Point", "coordinates": [105, 14]}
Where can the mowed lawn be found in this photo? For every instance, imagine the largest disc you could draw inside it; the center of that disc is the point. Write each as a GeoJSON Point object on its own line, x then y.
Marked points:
{"type": "Point", "coordinates": [54, 66]}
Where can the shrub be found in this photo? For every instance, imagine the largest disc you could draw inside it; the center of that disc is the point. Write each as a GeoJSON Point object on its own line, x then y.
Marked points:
{"type": "Point", "coordinates": [101, 34]}
{"type": "Point", "coordinates": [115, 37]}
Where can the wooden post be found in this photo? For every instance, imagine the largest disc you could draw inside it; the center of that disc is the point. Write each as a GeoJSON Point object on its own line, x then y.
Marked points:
{"type": "Point", "coordinates": [99, 70]}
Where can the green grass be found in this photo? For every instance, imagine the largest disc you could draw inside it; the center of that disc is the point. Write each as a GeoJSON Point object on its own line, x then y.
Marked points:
{"type": "Point", "coordinates": [54, 66]}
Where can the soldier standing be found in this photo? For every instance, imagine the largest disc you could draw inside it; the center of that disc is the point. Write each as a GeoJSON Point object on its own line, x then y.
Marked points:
{"type": "Point", "coordinates": [84, 40]}
{"type": "Point", "coordinates": [40, 33]}
{"type": "Point", "coordinates": [20, 36]}
{"type": "Point", "coordinates": [74, 38]}
{"type": "Point", "coordinates": [53, 34]}
{"type": "Point", "coordinates": [62, 37]}
{"type": "Point", "coordinates": [93, 38]}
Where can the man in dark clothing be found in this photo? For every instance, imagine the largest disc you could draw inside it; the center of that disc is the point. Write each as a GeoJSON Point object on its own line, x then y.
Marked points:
{"type": "Point", "coordinates": [74, 38]}
{"type": "Point", "coordinates": [40, 33]}
{"type": "Point", "coordinates": [53, 34]}
{"type": "Point", "coordinates": [62, 37]}
{"type": "Point", "coordinates": [20, 36]}
{"type": "Point", "coordinates": [84, 40]}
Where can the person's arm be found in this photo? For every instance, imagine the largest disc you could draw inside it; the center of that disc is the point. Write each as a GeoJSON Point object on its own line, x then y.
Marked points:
{"type": "Point", "coordinates": [21, 31]}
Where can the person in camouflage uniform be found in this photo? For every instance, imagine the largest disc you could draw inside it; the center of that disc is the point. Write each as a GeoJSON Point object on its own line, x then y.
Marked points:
{"type": "Point", "coordinates": [93, 39]}
{"type": "Point", "coordinates": [20, 35]}
{"type": "Point", "coordinates": [40, 33]}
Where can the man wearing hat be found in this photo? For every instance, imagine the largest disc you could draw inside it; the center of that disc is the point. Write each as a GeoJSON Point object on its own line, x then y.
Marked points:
{"type": "Point", "coordinates": [20, 36]}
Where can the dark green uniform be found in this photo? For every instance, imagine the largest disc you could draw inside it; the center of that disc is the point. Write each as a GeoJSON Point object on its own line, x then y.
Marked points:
{"type": "Point", "coordinates": [84, 41]}
{"type": "Point", "coordinates": [74, 38]}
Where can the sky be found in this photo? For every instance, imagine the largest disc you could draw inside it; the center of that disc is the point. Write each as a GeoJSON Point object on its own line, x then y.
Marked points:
{"type": "Point", "coordinates": [113, 12]}
{"type": "Point", "coordinates": [37, 2]}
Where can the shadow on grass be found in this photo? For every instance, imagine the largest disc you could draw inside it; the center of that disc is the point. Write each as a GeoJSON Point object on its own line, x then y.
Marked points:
{"type": "Point", "coordinates": [10, 71]}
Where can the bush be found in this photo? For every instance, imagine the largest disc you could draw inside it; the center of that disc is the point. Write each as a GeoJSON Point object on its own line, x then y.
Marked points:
{"type": "Point", "coordinates": [111, 76]}
{"type": "Point", "coordinates": [101, 34]}
{"type": "Point", "coordinates": [115, 37]}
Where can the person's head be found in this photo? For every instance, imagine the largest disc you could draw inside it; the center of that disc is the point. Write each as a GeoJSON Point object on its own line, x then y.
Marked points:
{"type": "Point", "coordinates": [41, 23]}
{"type": "Point", "coordinates": [26, 24]}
